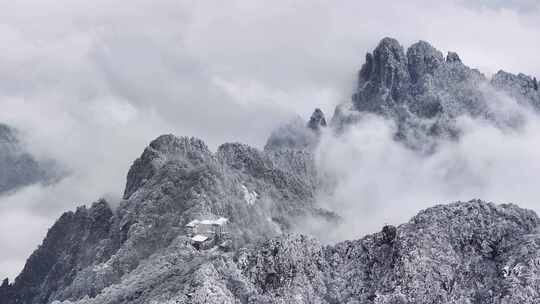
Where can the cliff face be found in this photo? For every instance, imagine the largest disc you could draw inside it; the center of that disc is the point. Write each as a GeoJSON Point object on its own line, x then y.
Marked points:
{"type": "Point", "coordinates": [149, 249]}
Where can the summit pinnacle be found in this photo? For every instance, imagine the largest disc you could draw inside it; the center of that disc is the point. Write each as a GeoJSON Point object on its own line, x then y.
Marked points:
{"type": "Point", "coordinates": [317, 120]}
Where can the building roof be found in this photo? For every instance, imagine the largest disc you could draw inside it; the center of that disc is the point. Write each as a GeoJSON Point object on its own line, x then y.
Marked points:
{"type": "Point", "coordinates": [220, 222]}
{"type": "Point", "coordinates": [199, 238]}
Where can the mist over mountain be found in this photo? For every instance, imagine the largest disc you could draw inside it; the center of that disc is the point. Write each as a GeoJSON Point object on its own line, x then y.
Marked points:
{"type": "Point", "coordinates": [231, 226]}
{"type": "Point", "coordinates": [18, 167]}
{"type": "Point", "coordinates": [422, 127]}
{"type": "Point", "coordinates": [424, 93]}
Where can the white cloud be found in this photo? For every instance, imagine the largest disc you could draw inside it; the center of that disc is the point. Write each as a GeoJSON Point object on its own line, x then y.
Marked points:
{"type": "Point", "coordinates": [380, 181]}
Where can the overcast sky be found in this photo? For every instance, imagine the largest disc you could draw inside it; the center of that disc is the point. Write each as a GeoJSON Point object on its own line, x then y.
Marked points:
{"type": "Point", "coordinates": [90, 83]}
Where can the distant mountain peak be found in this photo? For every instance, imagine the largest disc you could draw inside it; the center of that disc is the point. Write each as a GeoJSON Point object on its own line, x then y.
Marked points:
{"type": "Point", "coordinates": [422, 59]}
{"type": "Point", "coordinates": [158, 153]}
{"type": "Point", "coordinates": [424, 93]}
{"type": "Point", "coordinates": [385, 68]}
{"type": "Point", "coordinates": [317, 120]}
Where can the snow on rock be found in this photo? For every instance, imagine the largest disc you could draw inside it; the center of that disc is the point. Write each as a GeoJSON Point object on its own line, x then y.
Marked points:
{"type": "Point", "coordinates": [199, 238]}
{"type": "Point", "coordinates": [424, 94]}
{"type": "Point", "coordinates": [101, 267]}
{"type": "Point", "coordinates": [249, 196]}
{"type": "Point", "coordinates": [220, 221]}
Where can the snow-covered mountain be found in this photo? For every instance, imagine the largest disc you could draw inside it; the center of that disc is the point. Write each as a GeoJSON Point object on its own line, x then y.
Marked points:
{"type": "Point", "coordinates": [197, 226]}
{"type": "Point", "coordinates": [423, 93]}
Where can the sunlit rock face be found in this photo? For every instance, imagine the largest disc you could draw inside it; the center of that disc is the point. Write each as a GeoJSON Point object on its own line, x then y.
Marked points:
{"type": "Point", "coordinates": [225, 226]}
{"type": "Point", "coordinates": [17, 167]}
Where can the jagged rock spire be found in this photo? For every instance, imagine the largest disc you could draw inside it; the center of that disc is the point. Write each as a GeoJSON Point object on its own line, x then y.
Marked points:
{"type": "Point", "coordinates": [6, 292]}
{"type": "Point", "coordinates": [416, 86]}
{"type": "Point", "coordinates": [158, 153]}
{"type": "Point", "coordinates": [386, 67]}
{"type": "Point", "coordinates": [317, 120]}
{"type": "Point", "coordinates": [453, 57]}
{"type": "Point", "coordinates": [422, 58]}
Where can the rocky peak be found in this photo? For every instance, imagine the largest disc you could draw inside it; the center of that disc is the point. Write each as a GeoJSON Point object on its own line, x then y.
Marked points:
{"type": "Point", "coordinates": [160, 151]}
{"type": "Point", "coordinates": [317, 120]}
{"type": "Point", "coordinates": [171, 145]}
{"type": "Point", "coordinates": [422, 59]}
{"type": "Point", "coordinates": [453, 58]}
{"type": "Point", "coordinates": [521, 87]}
{"type": "Point", "coordinates": [389, 52]}
{"type": "Point", "coordinates": [387, 67]}
{"type": "Point", "coordinates": [504, 79]}
{"type": "Point", "coordinates": [424, 93]}
{"type": "Point", "coordinates": [242, 157]}
{"type": "Point", "coordinates": [6, 290]}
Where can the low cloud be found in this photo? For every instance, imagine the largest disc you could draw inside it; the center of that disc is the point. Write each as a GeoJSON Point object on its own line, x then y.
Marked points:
{"type": "Point", "coordinates": [379, 181]}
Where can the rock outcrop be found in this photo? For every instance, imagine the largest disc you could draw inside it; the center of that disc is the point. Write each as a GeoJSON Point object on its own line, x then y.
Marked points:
{"type": "Point", "coordinates": [317, 121]}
